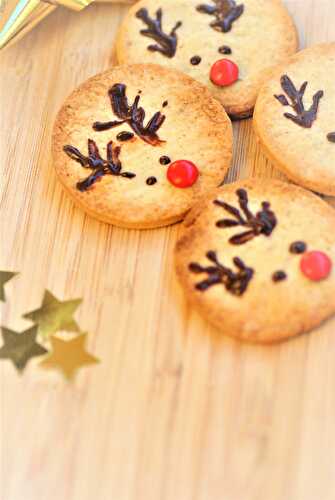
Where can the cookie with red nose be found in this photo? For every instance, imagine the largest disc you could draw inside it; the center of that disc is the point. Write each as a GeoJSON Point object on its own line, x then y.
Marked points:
{"type": "Point", "coordinates": [256, 259]}
{"type": "Point", "coordinates": [138, 145]}
{"type": "Point", "coordinates": [228, 45]}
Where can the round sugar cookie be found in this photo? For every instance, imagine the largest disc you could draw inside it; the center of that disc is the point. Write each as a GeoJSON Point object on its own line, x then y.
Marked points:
{"type": "Point", "coordinates": [256, 259]}
{"type": "Point", "coordinates": [295, 118]}
{"type": "Point", "coordinates": [229, 46]}
{"type": "Point", "coordinates": [136, 146]}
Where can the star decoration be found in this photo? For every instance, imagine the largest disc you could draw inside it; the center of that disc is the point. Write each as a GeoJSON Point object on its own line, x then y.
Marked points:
{"type": "Point", "coordinates": [4, 277]}
{"type": "Point", "coordinates": [68, 356]}
{"type": "Point", "coordinates": [20, 347]}
{"type": "Point", "coordinates": [54, 315]}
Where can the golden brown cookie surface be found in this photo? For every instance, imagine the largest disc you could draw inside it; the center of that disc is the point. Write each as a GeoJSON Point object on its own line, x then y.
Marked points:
{"type": "Point", "coordinates": [295, 118]}
{"type": "Point", "coordinates": [191, 35]}
{"type": "Point", "coordinates": [123, 129]}
{"type": "Point", "coordinates": [255, 258]}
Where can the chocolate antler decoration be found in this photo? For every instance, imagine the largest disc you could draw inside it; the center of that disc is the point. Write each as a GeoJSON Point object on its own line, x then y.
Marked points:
{"type": "Point", "coordinates": [235, 282]}
{"type": "Point", "coordinates": [94, 161]}
{"type": "Point", "coordinates": [133, 115]}
{"type": "Point", "coordinates": [304, 118]}
{"type": "Point", "coordinates": [263, 222]}
{"type": "Point", "coordinates": [166, 44]}
{"type": "Point", "coordinates": [226, 13]}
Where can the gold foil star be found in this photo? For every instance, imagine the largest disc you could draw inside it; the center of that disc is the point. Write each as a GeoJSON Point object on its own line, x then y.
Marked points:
{"type": "Point", "coordinates": [54, 315]}
{"type": "Point", "coordinates": [20, 347]}
{"type": "Point", "coordinates": [68, 356]}
{"type": "Point", "coordinates": [4, 277]}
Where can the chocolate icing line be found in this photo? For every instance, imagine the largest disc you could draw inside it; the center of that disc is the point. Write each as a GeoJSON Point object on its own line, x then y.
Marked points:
{"type": "Point", "coordinates": [303, 117]}
{"type": "Point", "coordinates": [166, 43]}
{"type": "Point", "coordinates": [132, 114]}
{"type": "Point", "coordinates": [226, 12]}
{"type": "Point", "coordinates": [235, 282]}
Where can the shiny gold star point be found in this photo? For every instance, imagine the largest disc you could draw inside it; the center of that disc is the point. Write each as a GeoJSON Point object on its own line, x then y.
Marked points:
{"type": "Point", "coordinates": [4, 277]}
{"type": "Point", "coordinates": [68, 356]}
{"type": "Point", "coordinates": [20, 347]}
{"type": "Point", "coordinates": [54, 315]}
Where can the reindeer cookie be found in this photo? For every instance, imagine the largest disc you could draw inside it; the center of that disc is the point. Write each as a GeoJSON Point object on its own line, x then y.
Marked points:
{"type": "Point", "coordinates": [295, 118]}
{"type": "Point", "coordinates": [227, 45]}
{"type": "Point", "coordinates": [137, 145]}
{"type": "Point", "coordinates": [256, 258]}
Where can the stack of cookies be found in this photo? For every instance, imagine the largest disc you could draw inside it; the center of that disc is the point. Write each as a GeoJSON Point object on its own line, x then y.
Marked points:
{"type": "Point", "coordinates": [149, 142]}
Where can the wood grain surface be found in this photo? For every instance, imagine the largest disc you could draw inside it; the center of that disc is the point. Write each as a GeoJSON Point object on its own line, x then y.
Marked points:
{"type": "Point", "coordinates": [173, 412]}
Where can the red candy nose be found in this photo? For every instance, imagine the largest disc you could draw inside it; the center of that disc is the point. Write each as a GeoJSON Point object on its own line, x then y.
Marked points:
{"type": "Point", "coordinates": [224, 72]}
{"type": "Point", "coordinates": [315, 265]}
{"type": "Point", "coordinates": [182, 173]}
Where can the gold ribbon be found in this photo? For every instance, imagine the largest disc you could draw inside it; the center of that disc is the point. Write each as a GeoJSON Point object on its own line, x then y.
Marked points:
{"type": "Point", "coordinates": [17, 17]}
{"type": "Point", "coordinates": [20, 16]}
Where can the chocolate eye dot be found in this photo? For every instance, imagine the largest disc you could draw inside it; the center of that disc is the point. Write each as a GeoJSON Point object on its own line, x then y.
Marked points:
{"type": "Point", "coordinates": [151, 181]}
{"type": "Point", "coordinates": [298, 247]}
{"type": "Point", "coordinates": [225, 50]}
{"type": "Point", "coordinates": [125, 136]}
{"type": "Point", "coordinates": [279, 276]}
{"type": "Point", "coordinates": [165, 103]}
{"type": "Point", "coordinates": [195, 60]}
{"type": "Point", "coordinates": [164, 160]}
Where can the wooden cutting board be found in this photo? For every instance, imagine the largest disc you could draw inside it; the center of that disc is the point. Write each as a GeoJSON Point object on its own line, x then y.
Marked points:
{"type": "Point", "coordinates": [173, 412]}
